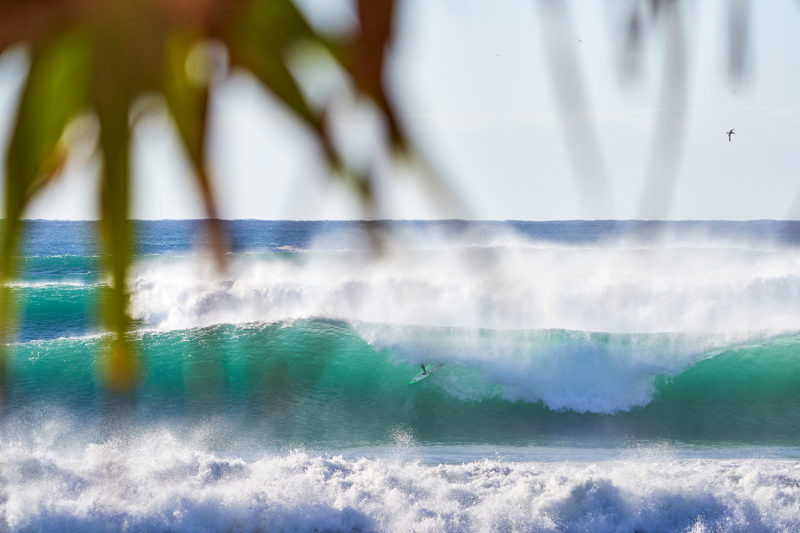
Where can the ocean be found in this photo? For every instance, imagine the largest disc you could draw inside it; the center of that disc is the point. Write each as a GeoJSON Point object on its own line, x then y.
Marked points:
{"type": "Point", "coordinates": [598, 376]}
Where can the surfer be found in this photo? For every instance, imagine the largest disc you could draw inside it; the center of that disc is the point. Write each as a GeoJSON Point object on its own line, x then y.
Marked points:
{"type": "Point", "coordinates": [729, 134]}
{"type": "Point", "coordinates": [426, 371]}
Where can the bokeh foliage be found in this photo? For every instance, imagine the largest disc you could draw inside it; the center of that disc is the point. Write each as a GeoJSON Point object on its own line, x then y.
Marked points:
{"type": "Point", "coordinates": [97, 58]}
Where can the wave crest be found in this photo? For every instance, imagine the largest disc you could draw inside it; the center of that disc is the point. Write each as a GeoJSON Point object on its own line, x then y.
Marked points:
{"type": "Point", "coordinates": [522, 285]}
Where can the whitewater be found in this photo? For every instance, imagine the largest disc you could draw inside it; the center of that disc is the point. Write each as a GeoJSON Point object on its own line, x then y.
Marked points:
{"type": "Point", "coordinates": [598, 376]}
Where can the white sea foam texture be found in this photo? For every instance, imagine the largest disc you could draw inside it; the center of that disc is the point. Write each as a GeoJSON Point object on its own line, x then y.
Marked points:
{"type": "Point", "coordinates": [508, 283]}
{"type": "Point", "coordinates": [157, 483]}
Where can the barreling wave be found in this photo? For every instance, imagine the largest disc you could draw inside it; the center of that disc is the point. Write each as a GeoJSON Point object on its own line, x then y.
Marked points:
{"type": "Point", "coordinates": [321, 381]}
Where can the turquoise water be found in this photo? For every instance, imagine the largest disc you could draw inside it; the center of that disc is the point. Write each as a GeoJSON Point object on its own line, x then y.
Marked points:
{"type": "Point", "coordinates": [314, 381]}
{"type": "Point", "coordinates": [598, 376]}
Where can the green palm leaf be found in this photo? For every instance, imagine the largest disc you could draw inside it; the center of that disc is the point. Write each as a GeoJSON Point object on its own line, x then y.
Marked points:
{"type": "Point", "coordinates": [54, 93]}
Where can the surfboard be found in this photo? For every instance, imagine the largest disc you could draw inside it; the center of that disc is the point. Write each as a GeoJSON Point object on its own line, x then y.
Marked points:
{"type": "Point", "coordinates": [430, 370]}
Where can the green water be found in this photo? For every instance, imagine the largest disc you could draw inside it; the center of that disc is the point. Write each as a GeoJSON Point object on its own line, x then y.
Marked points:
{"type": "Point", "coordinates": [320, 382]}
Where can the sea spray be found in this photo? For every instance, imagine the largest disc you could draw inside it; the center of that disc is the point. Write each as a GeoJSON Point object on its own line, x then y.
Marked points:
{"type": "Point", "coordinates": [523, 285]}
{"type": "Point", "coordinates": [598, 376]}
{"type": "Point", "coordinates": [162, 481]}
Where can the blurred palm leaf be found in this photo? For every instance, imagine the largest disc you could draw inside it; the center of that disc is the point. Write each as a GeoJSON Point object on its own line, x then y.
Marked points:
{"type": "Point", "coordinates": [55, 92]}
{"type": "Point", "coordinates": [101, 57]}
{"type": "Point", "coordinates": [366, 60]}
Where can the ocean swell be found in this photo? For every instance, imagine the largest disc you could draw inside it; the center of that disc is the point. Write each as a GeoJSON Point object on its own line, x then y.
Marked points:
{"type": "Point", "coordinates": [321, 381]}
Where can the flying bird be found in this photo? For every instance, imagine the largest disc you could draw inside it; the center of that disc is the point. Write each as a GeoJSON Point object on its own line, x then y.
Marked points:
{"type": "Point", "coordinates": [729, 134]}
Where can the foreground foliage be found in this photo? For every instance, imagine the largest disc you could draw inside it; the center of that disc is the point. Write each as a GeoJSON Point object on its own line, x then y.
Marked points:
{"type": "Point", "coordinates": [91, 61]}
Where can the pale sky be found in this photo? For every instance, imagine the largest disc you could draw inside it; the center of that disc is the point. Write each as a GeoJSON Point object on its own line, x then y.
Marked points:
{"type": "Point", "coordinates": [475, 88]}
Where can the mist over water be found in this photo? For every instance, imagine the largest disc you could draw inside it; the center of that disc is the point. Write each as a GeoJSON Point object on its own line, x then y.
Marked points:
{"type": "Point", "coordinates": [504, 280]}
{"type": "Point", "coordinates": [658, 360]}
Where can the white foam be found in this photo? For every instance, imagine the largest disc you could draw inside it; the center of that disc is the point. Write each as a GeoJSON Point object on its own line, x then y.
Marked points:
{"type": "Point", "coordinates": [522, 284]}
{"type": "Point", "coordinates": [158, 482]}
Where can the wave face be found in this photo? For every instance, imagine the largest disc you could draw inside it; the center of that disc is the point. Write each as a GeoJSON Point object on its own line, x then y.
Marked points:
{"type": "Point", "coordinates": [684, 331]}
{"type": "Point", "coordinates": [321, 382]}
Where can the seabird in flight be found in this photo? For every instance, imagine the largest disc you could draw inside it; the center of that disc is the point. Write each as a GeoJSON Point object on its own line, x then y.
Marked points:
{"type": "Point", "coordinates": [729, 134]}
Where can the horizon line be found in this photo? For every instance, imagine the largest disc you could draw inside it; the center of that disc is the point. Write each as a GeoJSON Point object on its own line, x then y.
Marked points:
{"type": "Point", "coordinates": [378, 220]}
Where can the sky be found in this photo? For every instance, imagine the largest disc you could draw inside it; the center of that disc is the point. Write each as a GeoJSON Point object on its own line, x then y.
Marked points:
{"type": "Point", "coordinates": [520, 113]}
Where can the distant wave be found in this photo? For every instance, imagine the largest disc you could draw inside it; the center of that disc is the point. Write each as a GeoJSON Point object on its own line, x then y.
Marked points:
{"type": "Point", "coordinates": [66, 283]}
{"type": "Point", "coordinates": [526, 284]}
